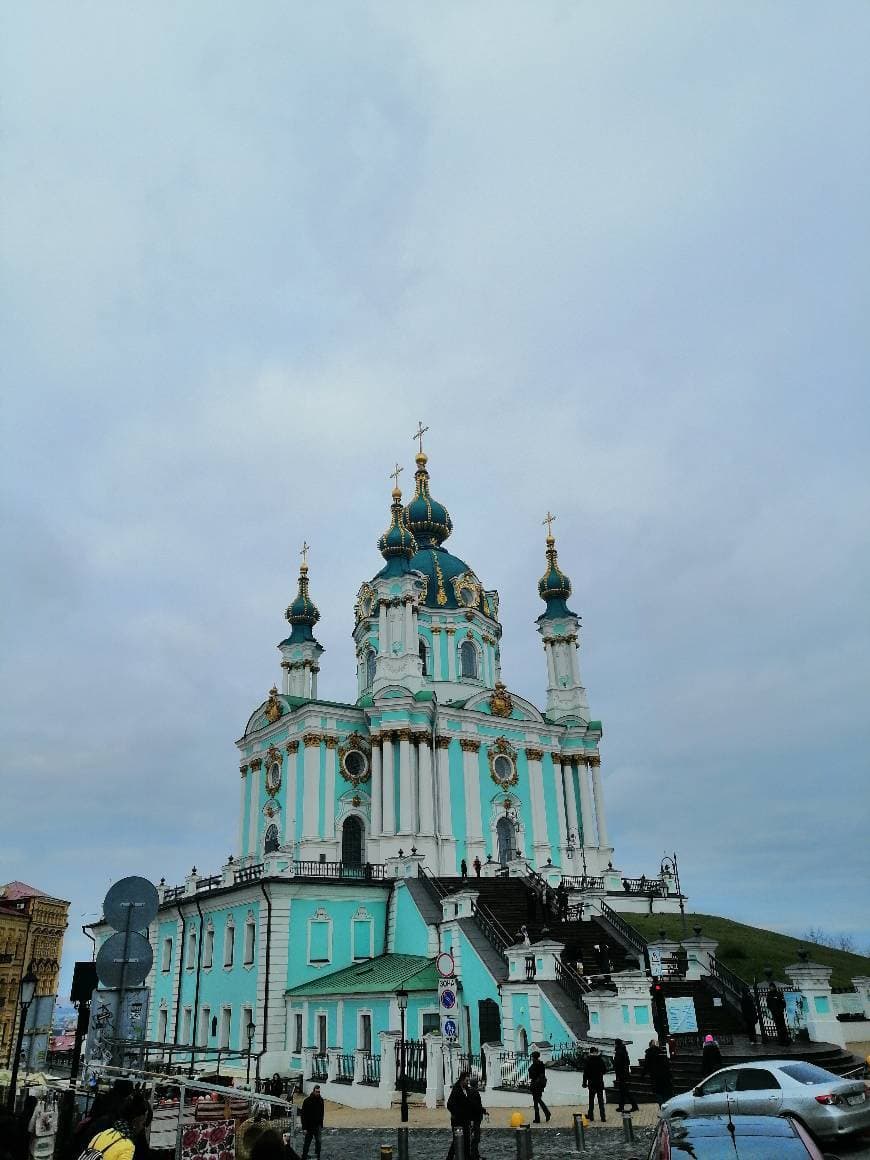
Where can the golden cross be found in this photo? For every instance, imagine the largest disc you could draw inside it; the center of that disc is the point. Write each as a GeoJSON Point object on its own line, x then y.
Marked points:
{"type": "Point", "coordinates": [548, 520]}
{"type": "Point", "coordinates": [306, 548]}
{"type": "Point", "coordinates": [395, 474]}
{"type": "Point", "coordinates": [419, 433]}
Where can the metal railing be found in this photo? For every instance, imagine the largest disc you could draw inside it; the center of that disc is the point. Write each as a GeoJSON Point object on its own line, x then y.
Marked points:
{"type": "Point", "coordinates": [320, 1066]}
{"type": "Point", "coordinates": [644, 885]}
{"type": "Point", "coordinates": [730, 980]}
{"type": "Point", "coordinates": [365, 872]}
{"type": "Point", "coordinates": [475, 1065]}
{"type": "Point", "coordinates": [583, 881]}
{"type": "Point", "coordinates": [571, 1055]}
{"type": "Point", "coordinates": [513, 1067]}
{"type": "Point", "coordinates": [694, 1040]}
{"type": "Point", "coordinates": [173, 893]}
{"type": "Point", "coordinates": [248, 873]}
{"type": "Point", "coordinates": [433, 887]}
{"type": "Point", "coordinates": [344, 1069]}
{"type": "Point", "coordinates": [573, 986]}
{"type": "Point", "coordinates": [627, 933]}
{"type": "Point", "coordinates": [372, 1070]}
{"type": "Point", "coordinates": [531, 968]}
{"type": "Point", "coordinates": [492, 929]}
{"type": "Point", "coordinates": [415, 1064]}
{"type": "Point", "coordinates": [210, 883]}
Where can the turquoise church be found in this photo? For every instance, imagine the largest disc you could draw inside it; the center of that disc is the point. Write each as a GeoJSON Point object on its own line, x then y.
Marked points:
{"type": "Point", "coordinates": [371, 835]}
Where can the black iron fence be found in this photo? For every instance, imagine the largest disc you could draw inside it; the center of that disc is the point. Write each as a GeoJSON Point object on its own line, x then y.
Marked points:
{"type": "Point", "coordinates": [414, 1059]}
{"type": "Point", "coordinates": [320, 1066]}
{"type": "Point", "coordinates": [372, 1070]}
{"type": "Point", "coordinates": [513, 1067]}
{"type": "Point", "coordinates": [624, 931]}
{"type": "Point", "coordinates": [344, 1069]}
{"type": "Point", "coordinates": [365, 872]}
{"type": "Point", "coordinates": [248, 873]}
{"type": "Point", "coordinates": [475, 1065]}
{"type": "Point", "coordinates": [583, 881]}
{"type": "Point", "coordinates": [573, 985]}
{"type": "Point", "coordinates": [644, 885]}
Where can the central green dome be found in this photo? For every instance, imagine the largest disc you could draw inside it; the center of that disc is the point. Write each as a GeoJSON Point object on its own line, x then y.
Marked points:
{"type": "Point", "coordinates": [427, 519]}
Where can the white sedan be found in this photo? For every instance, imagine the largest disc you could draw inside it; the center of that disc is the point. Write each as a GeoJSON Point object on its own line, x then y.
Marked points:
{"type": "Point", "coordinates": [829, 1106]}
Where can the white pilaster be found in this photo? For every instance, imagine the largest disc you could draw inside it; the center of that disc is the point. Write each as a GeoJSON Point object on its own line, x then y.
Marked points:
{"type": "Point", "coordinates": [253, 806]}
{"type": "Point", "coordinates": [451, 653]}
{"type": "Point", "coordinates": [406, 798]}
{"type": "Point", "coordinates": [586, 815]}
{"type": "Point", "coordinates": [410, 635]}
{"type": "Point", "coordinates": [540, 842]}
{"type": "Point", "coordinates": [598, 795]}
{"type": "Point", "coordinates": [560, 801]}
{"type": "Point", "coordinates": [426, 788]}
{"type": "Point", "coordinates": [329, 811]}
{"type": "Point", "coordinates": [473, 819]}
{"type": "Point", "coordinates": [436, 653]}
{"type": "Point", "coordinates": [551, 665]}
{"type": "Point", "coordinates": [289, 820]}
{"type": "Point", "coordinates": [388, 778]}
{"type": "Point", "coordinates": [377, 790]}
{"type": "Point", "coordinates": [311, 777]}
{"type": "Point", "coordinates": [383, 645]}
{"type": "Point", "coordinates": [445, 818]}
{"type": "Point", "coordinates": [240, 849]}
{"type": "Point", "coordinates": [571, 800]}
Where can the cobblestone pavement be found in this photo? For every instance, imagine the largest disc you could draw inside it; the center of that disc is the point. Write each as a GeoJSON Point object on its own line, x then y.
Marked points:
{"type": "Point", "coordinates": [496, 1144]}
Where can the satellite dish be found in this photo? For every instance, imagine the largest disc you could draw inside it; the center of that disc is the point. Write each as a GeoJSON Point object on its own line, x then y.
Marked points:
{"type": "Point", "coordinates": [113, 966]}
{"type": "Point", "coordinates": [132, 898]}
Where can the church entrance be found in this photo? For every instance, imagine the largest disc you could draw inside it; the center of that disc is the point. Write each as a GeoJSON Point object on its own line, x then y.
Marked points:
{"type": "Point", "coordinates": [352, 841]}
{"type": "Point", "coordinates": [507, 840]}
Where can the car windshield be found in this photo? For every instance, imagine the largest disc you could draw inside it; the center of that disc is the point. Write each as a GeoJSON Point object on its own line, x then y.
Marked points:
{"type": "Point", "coordinates": [748, 1148]}
{"type": "Point", "coordinates": [807, 1073]}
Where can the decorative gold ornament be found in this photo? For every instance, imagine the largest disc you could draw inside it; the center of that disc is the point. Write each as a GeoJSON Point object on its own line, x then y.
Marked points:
{"type": "Point", "coordinates": [501, 703]}
{"type": "Point", "coordinates": [273, 776]}
{"type": "Point", "coordinates": [441, 597]}
{"type": "Point", "coordinates": [331, 742]}
{"type": "Point", "coordinates": [468, 745]}
{"type": "Point", "coordinates": [292, 746]}
{"type": "Point", "coordinates": [274, 708]}
{"type": "Point", "coordinates": [309, 740]}
{"type": "Point", "coordinates": [443, 742]}
{"type": "Point", "coordinates": [594, 760]}
{"type": "Point", "coordinates": [273, 754]}
{"type": "Point", "coordinates": [366, 602]}
{"type": "Point", "coordinates": [503, 763]}
{"type": "Point", "coordinates": [256, 764]}
{"type": "Point", "coordinates": [243, 770]}
{"type": "Point", "coordinates": [467, 590]}
{"type": "Point", "coordinates": [534, 754]}
{"type": "Point", "coordinates": [356, 801]}
{"type": "Point", "coordinates": [353, 759]}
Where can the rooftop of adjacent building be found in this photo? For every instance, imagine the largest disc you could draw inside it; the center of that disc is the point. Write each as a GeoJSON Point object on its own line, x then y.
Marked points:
{"type": "Point", "coordinates": [17, 891]}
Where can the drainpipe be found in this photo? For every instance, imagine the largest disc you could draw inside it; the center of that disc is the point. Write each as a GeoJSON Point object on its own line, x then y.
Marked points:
{"type": "Point", "coordinates": [196, 991]}
{"type": "Point", "coordinates": [268, 964]}
{"type": "Point", "coordinates": [180, 952]}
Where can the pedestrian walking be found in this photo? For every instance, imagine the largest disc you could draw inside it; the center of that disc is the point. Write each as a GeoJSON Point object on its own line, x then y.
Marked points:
{"type": "Point", "coordinates": [459, 1107]}
{"type": "Point", "coordinates": [476, 864]}
{"type": "Point", "coordinates": [463, 868]}
{"type": "Point", "coordinates": [711, 1056]}
{"type": "Point", "coordinates": [776, 1007]}
{"type": "Point", "coordinates": [622, 1071]}
{"type": "Point", "coordinates": [311, 1115]}
{"type": "Point", "coordinates": [594, 1069]}
{"type": "Point", "coordinates": [537, 1083]}
{"type": "Point", "coordinates": [476, 1112]}
{"type": "Point", "coordinates": [657, 1066]}
{"type": "Point", "coordinates": [750, 1015]}
{"type": "Point", "coordinates": [120, 1141]}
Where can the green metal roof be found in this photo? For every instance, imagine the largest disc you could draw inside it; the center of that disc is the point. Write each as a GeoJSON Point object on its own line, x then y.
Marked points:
{"type": "Point", "coordinates": [384, 973]}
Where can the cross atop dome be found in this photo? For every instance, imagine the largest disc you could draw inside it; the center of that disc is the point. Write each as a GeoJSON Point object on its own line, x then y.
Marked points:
{"type": "Point", "coordinates": [548, 520]}
{"type": "Point", "coordinates": [419, 433]}
{"type": "Point", "coordinates": [306, 548]}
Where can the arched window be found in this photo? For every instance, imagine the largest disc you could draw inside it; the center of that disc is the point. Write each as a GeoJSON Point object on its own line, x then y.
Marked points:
{"type": "Point", "coordinates": [424, 653]}
{"type": "Point", "coordinates": [352, 841]}
{"type": "Point", "coordinates": [468, 659]}
{"type": "Point", "coordinates": [249, 940]}
{"type": "Point", "coordinates": [371, 662]}
{"type": "Point", "coordinates": [208, 947]}
{"type": "Point", "coordinates": [271, 841]}
{"type": "Point", "coordinates": [229, 943]}
{"type": "Point", "coordinates": [507, 843]}
{"type": "Point", "coordinates": [522, 1042]}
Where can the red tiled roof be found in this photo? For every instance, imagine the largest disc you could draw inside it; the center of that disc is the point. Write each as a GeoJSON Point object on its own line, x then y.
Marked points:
{"type": "Point", "coordinates": [13, 890]}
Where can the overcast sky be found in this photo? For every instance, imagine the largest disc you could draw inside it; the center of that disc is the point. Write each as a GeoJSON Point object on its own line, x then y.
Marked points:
{"type": "Point", "coordinates": [615, 255]}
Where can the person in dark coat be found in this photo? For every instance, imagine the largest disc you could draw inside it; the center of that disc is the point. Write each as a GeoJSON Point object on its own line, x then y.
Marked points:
{"type": "Point", "coordinates": [594, 1068]}
{"type": "Point", "coordinates": [776, 1007]}
{"type": "Point", "coordinates": [537, 1083]}
{"type": "Point", "coordinates": [476, 1112]}
{"type": "Point", "coordinates": [750, 1015]}
{"type": "Point", "coordinates": [657, 1066]}
{"type": "Point", "coordinates": [622, 1071]}
{"type": "Point", "coordinates": [711, 1056]}
{"type": "Point", "coordinates": [463, 868]}
{"type": "Point", "coordinates": [478, 865]}
{"type": "Point", "coordinates": [311, 1115]}
{"type": "Point", "coordinates": [459, 1106]}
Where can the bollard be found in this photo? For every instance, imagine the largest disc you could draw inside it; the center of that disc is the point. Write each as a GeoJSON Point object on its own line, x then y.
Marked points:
{"type": "Point", "coordinates": [459, 1144]}
{"type": "Point", "coordinates": [524, 1142]}
{"type": "Point", "coordinates": [386, 1152]}
{"type": "Point", "coordinates": [580, 1131]}
{"type": "Point", "coordinates": [627, 1127]}
{"type": "Point", "coordinates": [403, 1144]}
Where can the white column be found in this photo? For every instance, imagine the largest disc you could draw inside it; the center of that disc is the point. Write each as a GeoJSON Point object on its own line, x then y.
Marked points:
{"type": "Point", "coordinates": [329, 810]}
{"type": "Point", "coordinates": [551, 665]}
{"type": "Point", "coordinates": [598, 795]}
{"type": "Point", "coordinates": [571, 800]}
{"type": "Point", "coordinates": [426, 787]}
{"type": "Point", "coordinates": [573, 665]}
{"type": "Point", "coordinates": [560, 801]}
{"type": "Point", "coordinates": [436, 654]}
{"type": "Point", "coordinates": [243, 777]}
{"type": "Point", "coordinates": [406, 798]}
{"type": "Point", "coordinates": [451, 654]}
{"type": "Point", "coordinates": [586, 815]}
{"type": "Point", "coordinates": [383, 647]}
{"type": "Point", "coordinates": [290, 795]}
{"type": "Point", "coordinates": [315, 669]}
{"type": "Point", "coordinates": [311, 777]}
{"type": "Point", "coordinates": [253, 810]}
{"type": "Point", "coordinates": [471, 778]}
{"type": "Point", "coordinates": [540, 843]}
{"type": "Point", "coordinates": [377, 789]}
{"type": "Point", "coordinates": [445, 817]}
{"type": "Point", "coordinates": [388, 776]}
{"type": "Point", "coordinates": [410, 643]}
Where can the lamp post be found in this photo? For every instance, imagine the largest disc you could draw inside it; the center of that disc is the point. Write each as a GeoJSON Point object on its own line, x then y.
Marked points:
{"type": "Point", "coordinates": [671, 867]}
{"type": "Point", "coordinates": [250, 1031]}
{"type": "Point", "coordinates": [26, 992]}
{"type": "Point", "coordinates": [402, 1001]}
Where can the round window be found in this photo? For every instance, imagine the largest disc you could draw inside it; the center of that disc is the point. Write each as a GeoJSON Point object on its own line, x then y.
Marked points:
{"type": "Point", "coordinates": [503, 768]}
{"type": "Point", "coordinates": [355, 763]}
{"type": "Point", "coordinates": [468, 596]}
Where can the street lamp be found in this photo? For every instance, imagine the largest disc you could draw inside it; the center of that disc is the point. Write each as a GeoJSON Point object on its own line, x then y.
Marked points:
{"type": "Point", "coordinates": [26, 993]}
{"type": "Point", "coordinates": [671, 869]}
{"type": "Point", "coordinates": [402, 1001]}
{"type": "Point", "coordinates": [250, 1031]}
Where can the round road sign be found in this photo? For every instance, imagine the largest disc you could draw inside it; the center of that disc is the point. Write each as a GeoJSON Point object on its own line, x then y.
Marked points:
{"type": "Point", "coordinates": [448, 999]}
{"type": "Point", "coordinates": [451, 1031]}
{"type": "Point", "coordinates": [444, 965]}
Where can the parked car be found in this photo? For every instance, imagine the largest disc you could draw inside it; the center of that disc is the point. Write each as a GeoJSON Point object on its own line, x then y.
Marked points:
{"type": "Point", "coordinates": [829, 1106]}
{"type": "Point", "coordinates": [724, 1138]}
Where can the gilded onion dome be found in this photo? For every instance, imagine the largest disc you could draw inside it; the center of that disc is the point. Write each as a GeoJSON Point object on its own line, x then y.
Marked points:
{"type": "Point", "coordinates": [397, 545]}
{"type": "Point", "coordinates": [427, 519]}
{"type": "Point", "coordinates": [303, 613]}
{"type": "Point", "coordinates": [554, 586]}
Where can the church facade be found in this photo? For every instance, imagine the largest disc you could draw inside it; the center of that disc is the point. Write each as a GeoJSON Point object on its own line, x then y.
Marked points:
{"type": "Point", "coordinates": [369, 832]}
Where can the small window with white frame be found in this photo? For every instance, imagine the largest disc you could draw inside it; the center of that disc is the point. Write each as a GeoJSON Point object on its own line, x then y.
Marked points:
{"type": "Point", "coordinates": [250, 932]}
{"type": "Point", "coordinates": [469, 667]}
{"type": "Point", "coordinates": [191, 950]}
{"type": "Point", "coordinates": [226, 1027]}
{"type": "Point", "coordinates": [229, 942]}
{"type": "Point", "coordinates": [166, 958]}
{"type": "Point", "coordinates": [208, 947]}
{"type": "Point", "coordinates": [319, 938]}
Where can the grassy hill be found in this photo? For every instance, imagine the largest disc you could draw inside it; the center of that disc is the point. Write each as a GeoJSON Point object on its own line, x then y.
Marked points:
{"type": "Point", "coordinates": [747, 950]}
